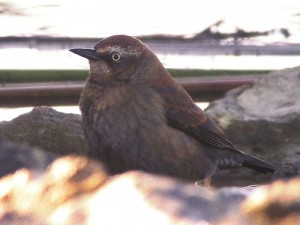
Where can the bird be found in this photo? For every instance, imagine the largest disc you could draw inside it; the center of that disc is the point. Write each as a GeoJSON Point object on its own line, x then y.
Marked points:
{"type": "Point", "coordinates": [135, 116]}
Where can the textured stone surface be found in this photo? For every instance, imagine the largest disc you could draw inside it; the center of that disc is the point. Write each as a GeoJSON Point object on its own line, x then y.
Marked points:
{"type": "Point", "coordinates": [288, 168]}
{"type": "Point", "coordinates": [47, 129]}
{"type": "Point", "coordinates": [264, 119]}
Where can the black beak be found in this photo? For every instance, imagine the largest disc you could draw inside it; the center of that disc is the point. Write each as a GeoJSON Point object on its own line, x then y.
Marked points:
{"type": "Point", "coordinates": [86, 53]}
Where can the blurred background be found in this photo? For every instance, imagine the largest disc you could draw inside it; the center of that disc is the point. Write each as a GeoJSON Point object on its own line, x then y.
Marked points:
{"type": "Point", "coordinates": [210, 46]}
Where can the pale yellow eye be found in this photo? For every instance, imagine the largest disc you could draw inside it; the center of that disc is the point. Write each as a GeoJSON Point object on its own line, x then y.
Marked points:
{"type": "Point", "coordinates": [116, 57]}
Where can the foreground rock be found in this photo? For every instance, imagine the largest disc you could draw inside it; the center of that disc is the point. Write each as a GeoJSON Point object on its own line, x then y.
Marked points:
{"type": "Point", "coordinates": [14, 157]}
{"type": "Point", "coordinates": [75, 190]}
{"type": "Point", "coordinates": [274, 204]}
{"type": "Point", "coordinates": [27, 197]}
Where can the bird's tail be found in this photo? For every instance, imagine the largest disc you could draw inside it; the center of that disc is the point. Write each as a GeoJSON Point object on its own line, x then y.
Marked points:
{"type": "Point", "coordinates": [258, 164]}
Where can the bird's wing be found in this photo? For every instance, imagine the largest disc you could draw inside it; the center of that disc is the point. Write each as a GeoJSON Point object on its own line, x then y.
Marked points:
{"type": "Point", "coordinates": [182, 113]}
{"type": "Point", "coordinates": [204, 130]}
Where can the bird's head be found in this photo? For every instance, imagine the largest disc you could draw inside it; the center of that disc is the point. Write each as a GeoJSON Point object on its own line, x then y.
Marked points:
{"type": "Point", "coordinates": [117, 59]}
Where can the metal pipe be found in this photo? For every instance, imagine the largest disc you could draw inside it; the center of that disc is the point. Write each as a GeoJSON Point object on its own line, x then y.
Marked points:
{"type": "Point", "coordinates": [67, 93]}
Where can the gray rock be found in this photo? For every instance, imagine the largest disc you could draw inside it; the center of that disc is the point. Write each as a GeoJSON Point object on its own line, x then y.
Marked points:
{"type": "Point", "coordinates": [288, 168]}
{"type": "Point", "coordinates": [14, 157]}
{"type": "Point", "coordinates": [263, 119]}
{"type": "Point", "coordinates": [47, 129]}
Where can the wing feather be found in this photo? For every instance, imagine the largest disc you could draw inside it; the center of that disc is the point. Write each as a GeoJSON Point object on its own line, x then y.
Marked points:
{"type": "Point", "coordinates": [183, 114]}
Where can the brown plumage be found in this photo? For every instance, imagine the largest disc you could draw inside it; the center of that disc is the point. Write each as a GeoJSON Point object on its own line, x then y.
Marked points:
{"type": "Point", "coordinates": [135, 116]}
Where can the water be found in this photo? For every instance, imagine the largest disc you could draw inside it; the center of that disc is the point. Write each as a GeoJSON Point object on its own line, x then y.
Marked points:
{"type": "Point", "coordinates": [94, 18]}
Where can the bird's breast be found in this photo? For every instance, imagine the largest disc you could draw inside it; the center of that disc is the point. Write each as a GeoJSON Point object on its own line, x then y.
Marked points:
{"type": "Point", "coordinates": [128, 128]}
{"type": "Point", "coordinates": [122, 114]}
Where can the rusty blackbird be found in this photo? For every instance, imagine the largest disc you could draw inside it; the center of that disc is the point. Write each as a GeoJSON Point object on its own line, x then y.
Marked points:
{"type": "Point", "coordinates": [137, 117]}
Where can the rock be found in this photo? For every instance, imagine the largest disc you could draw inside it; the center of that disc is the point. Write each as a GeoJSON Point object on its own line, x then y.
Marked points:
{"type": "Point", "coordinates": [274, 204]}
{"type": "Point", "coordinates": [75, 190]}
{"type": "Point", "coordinates": [28, 197]}
{"type": "Point", "coordinates": [47, 129]}
{"type": "Point", "coordinates": [140, 198]}
{"type": "Point", "coordinates": [288, 168]}
{"type": "Point", "coordinates": [263, 120]}
{"type": "Point", "coordinates": [14, 157]}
